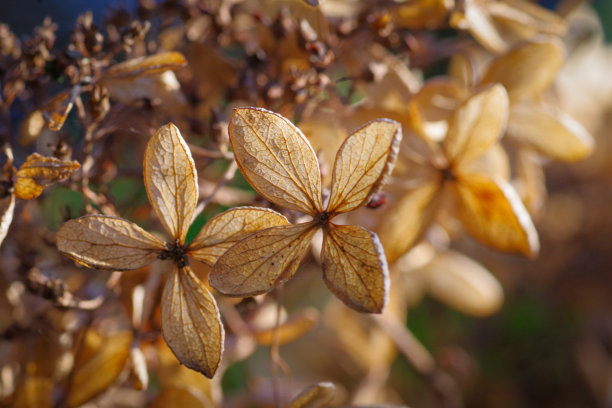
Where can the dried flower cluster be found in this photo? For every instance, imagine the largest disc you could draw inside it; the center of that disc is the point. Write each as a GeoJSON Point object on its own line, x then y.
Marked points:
{"type": "Point", "coordinates": [458, 106]}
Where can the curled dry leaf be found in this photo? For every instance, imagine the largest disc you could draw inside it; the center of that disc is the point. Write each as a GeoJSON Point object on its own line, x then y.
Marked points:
{"type": "Point", "coordinates": [316, 396]}
{"type": "Point", "coordinates": [280, 164]}
{"type": "Point", "coordinates": [190, 319]}
{"type": "Point", "coordinates": [38, 172]}
{"type": "Point", "coordinates": [150, 65]}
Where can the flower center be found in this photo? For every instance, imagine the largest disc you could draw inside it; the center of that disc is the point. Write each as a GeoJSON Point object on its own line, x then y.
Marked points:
{"type": "Point", "coordinates": [176, 252]}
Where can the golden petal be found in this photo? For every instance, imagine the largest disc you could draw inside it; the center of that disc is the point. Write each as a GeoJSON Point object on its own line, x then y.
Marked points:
{"type": "Point", "coordinates": [257, 263]}
{"type": "Point", "coordinates": [476, 125]}
{"type": "Point", "coordinates": [191, 323]}
{"type": "Point", "coordinates": [171, 180]}
{"type": "Point", "coordinates": [105, 242]}
{"type": "Point", "coordinates": [136, 67]}
{"type": "Point", "coordinates": [317, 395]}
{"type": "Point", "coordinates": [225, 229]}
{"type": "Point", "coordinates": [527, 70]}
{"type": "Point", "coordinates": [463, 284]}
{"type": "Point", "coordinates": [38, 172]}
{"type": "Point", "coordinates": [550, 132]}
{"type": "Point", "coordinates": [484, 29]}
{"type": "Point", "coordinates": [355, 268]}
{"type": "Point", "coordinates": [276, 159]}
{"type": "Point", "coordinates": [492, 212]}
{"type": "Point", "coordinates": [57, 109]}
{"type": "Point", "coordinates": [364, 161]}
{"type": "Point", "coordinates": [404, 222]}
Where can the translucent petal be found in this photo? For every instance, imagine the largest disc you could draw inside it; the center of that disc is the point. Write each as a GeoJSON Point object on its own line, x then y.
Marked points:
{"type": "Point", "coordinates": [364, 161]}
{"type": "Point", "coordinates": [225, 229]}
{"type": "Point", "coordinates": [171, 180]}
{"type": "Point", "coordinates": [528, 69]}
{"type": "Point", "coordinates": [355, 268]}
{"type": "Point", "coordinates": [492, 212]}
{"type": "Point", "coordinates": [476, 125]}
{"type": "Point", "coordinates": [38, 172]}
{"type": "Point", "coordinates": [317, 395]}
{"type": "Point", "coordinates": [276, 159]}
{"type": "Point", "coordinates": [550, 131]}
{"type": "Point", "coordinates": [105, 242]}
{"type": "Point", "coordinates": [403, 223]}
{"type": "Point", "coordinates": [149, 65]}
{"type": "Point", "coordinates": [262, 260]}
{"type": "Point", "coordinates": [463, 284]}
{"type": "Point", "coordinates": [191, 323]}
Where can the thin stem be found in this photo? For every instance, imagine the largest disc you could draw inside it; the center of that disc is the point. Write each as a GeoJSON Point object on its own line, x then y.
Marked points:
{"type": "Point", "coordinates": [227, 177]}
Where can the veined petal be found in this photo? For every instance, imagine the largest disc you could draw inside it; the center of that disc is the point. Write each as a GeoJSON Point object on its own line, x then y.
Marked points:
{"type": "Point", "coordinates": [105, 242]}
{"type": "Point", "coordinates": [355, 268]}
{"type": "Point", "coordinates": [476, 125]}
{"type": "Point", "coordinates": [171, 180]}
{"type": "Point", "coordinates": [225, 229]}
{"type": "Point", "coordinates": [492, 212]}
{"type": "Point", "coordinates": [364, 161]}
{"type": "Point", "coordinates": [191, 323]}
{"type": "Point", "coordinates": [261, 260]}
{"type": "Point", "coordinates": [276, 159]}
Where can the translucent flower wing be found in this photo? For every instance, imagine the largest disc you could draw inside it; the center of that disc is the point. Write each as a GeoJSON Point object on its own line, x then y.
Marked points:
{"type": "Point", "coordinates": [104, 242]}
{"type": "Point", "coordinates": [492, 212]}
{"type": "Point", "coordinates": [261, 260]}
{"type": "Point", "coordinates": [191, 323]}
{"type": "Point", "coordinates": [355, 268]}
{"type": "Point", "coordinates": [171, 180]}
{"type": "Point", "coordinates": [225, 229]}
{"type": "Point", "coordinates": [476, 125]}
{"type": "Point", "coordinates": [364, 161]}
{"type": "Point", "coordinates": [276, 159]}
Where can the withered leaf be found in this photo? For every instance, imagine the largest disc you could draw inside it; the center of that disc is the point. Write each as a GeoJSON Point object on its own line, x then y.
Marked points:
{"type": "Point", "coordinates": [476, 125]}
{"type": "Point", "coordinates": [260, 261]}
{"type": "Point", "coordinates": [295, 327]}
{"type": "Point", "coordinates": [225, 229]}
{"type": "Point", "coordinates": [191, 323]}
{"type": "Point", "coordinates": [363, 163]}
{"type": "Point", "coordinates": [492, 212]}
{"type": "Point", "coordinates": [57, 109]}
{"type": "Point", "coordinates": [99, 369]}
{"type": "Point", "coordinates": [105, 242]}
{"type": "Point", "coordinates": [355, 268]}
{"type": "Point", "coordinates": [150, 65]}
{"type": "Point", "coordinates": [316, 396]}
{"type": "Point", "coordinates": [463, 284]}
{"type": "Point", "coordinates": [276, 159]}
{"type": "Point", "coordinates": [171, 180]}
{"type": "Point", "coordinates": [38, 172]}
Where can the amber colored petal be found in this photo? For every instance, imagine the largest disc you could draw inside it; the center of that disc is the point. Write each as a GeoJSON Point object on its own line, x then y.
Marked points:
{"type": "Point", "coordinates": [483, 28]}
{"type": "Point", "coordinates": [57, 109]}
{"type": "Point", "coordinates": [528, 15]}
{"type": "Point", "coordinates": [550, 132]}
{"type": "Point", "coordinates": [492, 213]}
{"type": "Point", "coordinates": [404, 222]}
{"type": "Point", "coordinates": [7, 209]}
{"type": "Point", "coordinates": [317, 395]}
{"type": "Point", "coordinates": [38, 172]}
{"type": "Point", "coordinates": [463, 284]}
{"type": "Point", "coordinates": [476, 125]}
{"type": "Point", "coordinates": [191, 323]}
{"type": "Point", "coordinates": [355, 268]}
{"type": "Point", "coordinates": [528, 69]}
{"type": "Point", "coordinates": [98, 372]}
{"type": "Point", "coordinates": [296, 326]}
{"type": "Point", "coordinates": [364, 161]}
{"type": "Point", "coordinates": [153, 64]}
{"type": "Point", "coordinates": [262, 260]}
{"type": "Point", "coordinates": [171, 180]}
{"type": "Point", "coordinates": [276, 159]}
{"type": "Point", "coordinates": [225, 229]}
{"type": "Point", "coordinates": [105, 242]}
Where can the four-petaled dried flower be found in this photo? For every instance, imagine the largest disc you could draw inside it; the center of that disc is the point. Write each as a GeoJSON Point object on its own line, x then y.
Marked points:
{"type": "Point", "coordinates": [190, 318]}
{"type": "Point", "coordinates": [279, 162]}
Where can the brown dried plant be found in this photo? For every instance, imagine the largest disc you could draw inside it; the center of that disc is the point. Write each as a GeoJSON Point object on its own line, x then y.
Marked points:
{"type": "Point", "coordinates": [190, 318]}
{"type": "Point", "coordinates": [280, 164]}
